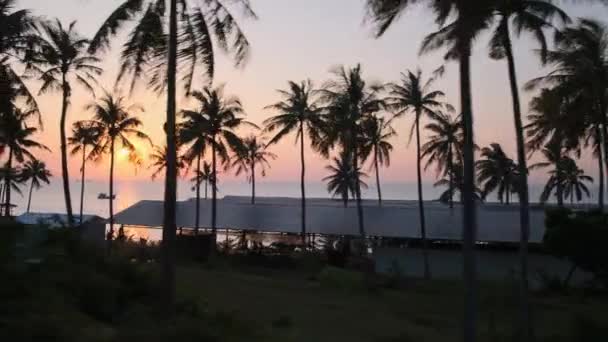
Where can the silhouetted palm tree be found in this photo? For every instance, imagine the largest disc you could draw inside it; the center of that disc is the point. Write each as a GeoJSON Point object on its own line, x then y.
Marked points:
{"type": "Point", "coordinates": [252, 153]}
{"type": "Point", "coordinates": [36, 172]}
{"type": "Point", "coordinates": [17, 39]}
{"type": "Point", "coordinates": [117, 125]}
{"type": "Point", "coordinates": [83, 136]}
{"type": "Point", "coordinates": [580, 71]}
{"type": "Point", "coordinates": [17, 137]}
{"type": "Point", "coordinates": [342, 180]}
{"type": "Point", "coordinates": [414, 95]}
{"type": "Point", "coordinates": [205, 175]}
{"type": "Point", "coordinates": [555, 156]}
{"type": "Point", "coordinates": [349, 100]}
{"type": "Point", "coordinates": [376, 145]}
{"type": "Point", "coordinates": [297, 112]}
{"type": "Point", "coordinates": [497, 172]}
{"type": "Point", "coordinates": [218, 116]}
{"type": "Point", "coordinates": [169, 39]}
{"type": "Point", "coordinates": [158, 159]}
{"type": "Point", "coordinates": [444, 147]}
{"type": "Point", "coordinates": [454, 183]}
{"type": "Point", "coordinates": [468, 20]}
{"type": "Point", "coordinates": [62, 61]}
{"type": "Point", "coordinates": [533, 16]}
{"type": "Point", "coordinates": [10, 180]}
{"type": "Point", "coordinates": [574, 182]}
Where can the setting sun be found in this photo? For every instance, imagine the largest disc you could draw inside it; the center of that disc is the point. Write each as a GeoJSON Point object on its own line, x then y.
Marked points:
{"type": "Point", "coordinates": [123, 154]}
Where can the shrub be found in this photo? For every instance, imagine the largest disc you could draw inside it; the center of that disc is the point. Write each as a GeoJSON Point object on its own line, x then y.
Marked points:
{"type": "Point", "coordinates": [579, 237]}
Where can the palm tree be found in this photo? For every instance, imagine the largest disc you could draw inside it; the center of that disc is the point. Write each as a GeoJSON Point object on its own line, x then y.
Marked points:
{"type": "Point", "coordinates": [187, 44]}
{"type": "Point", "coordinates": [217, 117]}
{"type": "Point", "coordinates": [469, 20]}
{"type": "Point", "coordinates": [117, 125]}
{"type": "Point", "coordinates": [444, 148]}
{"type": "Point", "coordinates": [36, 172]}
{"type": "Point", "coordinates": [580, 71]}
{"type": "Point", "coordinates": [555, 156]}
{"type": "Point", "coordinates": [17, 137]}
{"type": "Point", "coordinates": [496, 171]}
{"type": "Point", "coordinates": [17, 35]}
{"type": "Point", "coordinates": [376, 135]}
{"type": "Point", "coordinates": [531, 16]}
{"type": "Point", "coordinates": [83, 136]}
{"type": "Point", "coordinates": [10, 180]}
{"type": "Point", "coordinates": [205, 175]}
{"type": "Point", "coordinates": [251, 153]}
{"type": "Point", "coordinates": [416, 96]}
{"type": "Point", "coordinates": [349, 100]}
{"type": "Point", "coordinates": [62, 61]}
{"type": "Point", "coordinates": [574, 182]}
{"type": "Point", "coordinates": [455, 183]}
{"type": "Point", "coordinates": [297, 112]}
{"type": "Point", "coordinates": [342, 180]}
{"type": "Point", "coordinates": [158, 159]}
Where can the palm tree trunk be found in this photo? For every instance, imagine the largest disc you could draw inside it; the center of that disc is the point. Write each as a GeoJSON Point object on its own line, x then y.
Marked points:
{"type": "Point", "coordinates": [170, 197]}
{"type": "Point", "coordinates": [252, 181]}
{"type": "Point", "coordinates": [604, 142]}
{"type": "Point", "coordinates": [112, 186]}
{"type": "Point", "coordinates": [302, 185]}
{"type": "Point", "coordinates": [524, 205]}
{"type": "Point", "coordinates": [469, 210]}
{"type": "Point", "coordinates": [425, 253]}
{"type": "Point", "coordinates": [213, 189]}
{"type": "Point", "coordinates": [29, 198]}
{"type": "Point", "coordinates": [559, 185]}
{"type": "Point", "coordinates": [84, 162]}
{"type": "Point", "coordinates": [358, 191]}
{"type": "Point", "coordinates": [377, 168]}
{"type": "Point", "coordinates": [451, 175]}
{"type": "Point", "coordinates": [600, 160]}
{"type": "Point", "coordinates": [7, 183]}
{"type": "Point", "coordinates": [198, 195]}
{"type": "Point", "coordinates": [64, 152]}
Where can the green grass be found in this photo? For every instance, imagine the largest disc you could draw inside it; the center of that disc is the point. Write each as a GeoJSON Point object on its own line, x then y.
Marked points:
{"type": "Point", "coordinates": [289, 306]}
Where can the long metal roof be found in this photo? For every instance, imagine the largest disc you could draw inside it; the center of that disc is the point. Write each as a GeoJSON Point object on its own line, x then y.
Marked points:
{"type": "Point", "coordinates": [496, 223]}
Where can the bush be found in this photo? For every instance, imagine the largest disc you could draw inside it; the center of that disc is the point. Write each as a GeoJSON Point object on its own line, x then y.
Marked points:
{"type": "Point", "coordinates": [579, 237]}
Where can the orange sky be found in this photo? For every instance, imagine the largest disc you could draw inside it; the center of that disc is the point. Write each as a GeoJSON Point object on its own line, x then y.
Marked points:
{"type": "Point", "coordinates": [300, 39]}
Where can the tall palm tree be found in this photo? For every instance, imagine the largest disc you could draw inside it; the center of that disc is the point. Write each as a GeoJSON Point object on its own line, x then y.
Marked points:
{"type": "Point", "coordinates": [117, 126]}
{"type": "Point", "coordinates": [579, 64]}
{"type": "Point", "coordinates": [414, 95]}
{"type": "Point", "coordinates": [205, 175]}
{"type": "Point", "coordinates": [574, 182]}
{"type": "Point", "coordinates": [218, 116]}
{"type": "Point", "coordinates": [531, 16]}
{"type": "Point", "coordinates": [252, 152]}
{"type": "Point", "coordinates": [461, 22]}
{"type": "Point", "coordinates": [83, 136]}
{"type": "Point", "coordinates": [497, 172]}
{"type": "Point", "coordinates": [298, 112]}
{"type": "Point", "coordinates": [349, 100]}
{"type": "Point", "coordinates": [455, 183]}
{"type": "Point", "coordinates": [376, 145]}
{"type": "Point", "coordinates": [444, 148]}
{"type": "Point", "coordinates": [185, 43]}
{"type": "Point", "coordinates": [554, 156]}
{"type": "Point", "coordinates": [36, 172]}
{"type": "Point", "coordinates": [62, 61]}
{"type": "Point", "coordinates": [342, 180]}
{"type": "Point", "coordinates": [17, 137]}
{"type": "Point", "coordinates": [194, 132]}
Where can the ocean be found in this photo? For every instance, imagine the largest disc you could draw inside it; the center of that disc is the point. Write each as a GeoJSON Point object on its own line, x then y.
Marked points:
{"type": "Point", "coordinates": [49, 199]}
